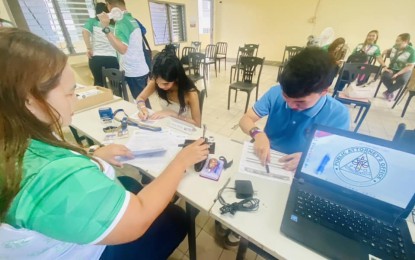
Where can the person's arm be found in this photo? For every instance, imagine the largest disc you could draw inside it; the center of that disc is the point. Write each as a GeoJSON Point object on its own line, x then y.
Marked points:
{"type": "Point", "coordinates": [114, 41]}
{"type": "Point", "coordinates": [261, 144]}
{"type": "Point", "coordinates": [381, 62]}
{"type": "Point", "coordinates": [147, 205]}
{"type": "Point", "coordinates": [87, 39]}
{"type": "Point", "coordinates": [408, 67]}
{"type": "Point", "coordinates": [144, 95]}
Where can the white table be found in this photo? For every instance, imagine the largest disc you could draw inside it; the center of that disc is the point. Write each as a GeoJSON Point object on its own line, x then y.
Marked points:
{"type": "Point", "coordinates": [198, 192]}
{"type": "Point", "coordinates": [262, 227]}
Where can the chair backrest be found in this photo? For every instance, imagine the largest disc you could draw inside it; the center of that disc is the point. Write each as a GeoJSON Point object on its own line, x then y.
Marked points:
{"type": "Point", "coordinates": [185, 53]}
{"type": "Point", "coordinates": [352, 71]}
{"type": "Point", "coordinates": [177, 48]}
{"type": "Point", "coordinates": [249, 65]}
{"type": "Point", "coordinates": [255, 46]}
{"type": "Point", "coordinates": [222, 47]}
{"type": "Point", "coordinates": [196, 45]}
{"type": "Point", "coordinates": [290, 51]}
{"type": "Point", "coordinates": [404, 139]}
{"type": "Point", "coordinates": [371, 60]}
{"type": "Point", "coordinates": [114, 79]}
{"type": "Point", "coordinates": [244, 52]}
{"type": "Point", "coordinates": [210, 51]}
{"type": "Point", "coordinates": [195, 61]}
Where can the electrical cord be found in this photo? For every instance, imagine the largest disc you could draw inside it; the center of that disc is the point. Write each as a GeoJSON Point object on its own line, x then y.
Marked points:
{"type": "Point", "coordinates": [250, 204]}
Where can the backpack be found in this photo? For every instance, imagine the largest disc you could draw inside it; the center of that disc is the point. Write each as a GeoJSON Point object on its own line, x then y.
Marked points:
{"type": "Point", "coordinates": [357, 57]}
{"type": "Point", "coordinates": [146, 46]}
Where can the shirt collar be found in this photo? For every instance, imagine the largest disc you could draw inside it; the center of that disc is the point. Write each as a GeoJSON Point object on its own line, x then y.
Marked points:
{"type": "Point", "coordinates": [314, 110]}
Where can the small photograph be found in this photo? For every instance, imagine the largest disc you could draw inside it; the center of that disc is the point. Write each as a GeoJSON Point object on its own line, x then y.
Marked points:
{"type": "Point", "coordinates": [212, 169]}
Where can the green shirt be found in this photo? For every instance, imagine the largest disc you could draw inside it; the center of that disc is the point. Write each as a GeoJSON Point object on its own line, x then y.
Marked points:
{"type": "Point", "coordinates": [100, 44]}
{"type": "Point", "coordinates": [400, 58]}
{"type": "Point", "coordinates": [371, 50]}
{"type": "Point", "coordinates": [64, 201]}
{"type": "Point", "coordinates": [133, 61]}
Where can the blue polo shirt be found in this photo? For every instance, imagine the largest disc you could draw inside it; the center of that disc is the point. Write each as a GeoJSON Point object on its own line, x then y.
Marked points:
{"type": "Point", "coordinates": [287, 129]}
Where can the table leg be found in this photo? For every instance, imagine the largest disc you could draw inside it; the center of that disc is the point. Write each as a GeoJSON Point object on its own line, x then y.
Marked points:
{"type": "Point", "coordinates": [191, 213]}
{"type": "Point", "coordinates": [243, 247]}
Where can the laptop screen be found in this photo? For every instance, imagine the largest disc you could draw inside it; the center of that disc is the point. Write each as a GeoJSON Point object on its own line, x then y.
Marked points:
{"type": "Point", "coordinates": [373, 170]}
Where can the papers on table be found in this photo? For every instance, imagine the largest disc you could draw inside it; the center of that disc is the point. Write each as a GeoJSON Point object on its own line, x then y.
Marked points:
{"type": "Point", "coordinates": [153, 150]}
{"type": "Point", "coordinates": [250, 164]}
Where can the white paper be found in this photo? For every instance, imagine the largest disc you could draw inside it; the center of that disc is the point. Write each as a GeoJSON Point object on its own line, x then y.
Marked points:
{"type": "Point", "coordinates": [251, 165]}
{"type": "Point", "coordinates": [154, 163]}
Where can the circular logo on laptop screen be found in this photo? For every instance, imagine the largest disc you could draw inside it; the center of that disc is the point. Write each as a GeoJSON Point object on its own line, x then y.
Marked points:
{"type": "Point", "coordinates": [360, 166]}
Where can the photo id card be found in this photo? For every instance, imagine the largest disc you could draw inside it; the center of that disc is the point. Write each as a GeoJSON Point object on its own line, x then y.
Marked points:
{"type": "Point", "coordinates": [212, 169]}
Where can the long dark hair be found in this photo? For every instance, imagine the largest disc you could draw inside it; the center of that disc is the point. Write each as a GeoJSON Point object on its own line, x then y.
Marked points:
{"type": "Point", "coordinates": [102, 8]}
{"type": "Point", "coordinates": [31, 66]}
{"type": "Point", "coordinates": [168, 67]}
{"type": "Point", "coordinates": [377, 36]}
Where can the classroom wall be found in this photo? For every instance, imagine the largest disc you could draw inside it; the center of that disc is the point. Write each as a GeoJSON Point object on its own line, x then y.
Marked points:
{"type": "Point", "coordinates": [4, 12]}
{"type": "Point", "coordinates": [277, 23]}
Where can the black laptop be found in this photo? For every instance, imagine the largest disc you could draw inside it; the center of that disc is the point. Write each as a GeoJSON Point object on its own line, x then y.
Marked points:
{"type": "Point", "coordinates": [351, 196]}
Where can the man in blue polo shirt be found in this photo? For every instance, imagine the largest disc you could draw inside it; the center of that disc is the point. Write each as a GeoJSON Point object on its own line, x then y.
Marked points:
{"type": "Point", "coordinates": [294, 106]}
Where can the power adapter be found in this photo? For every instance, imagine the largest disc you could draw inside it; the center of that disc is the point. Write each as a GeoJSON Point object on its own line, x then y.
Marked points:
{"type": "Point", "coordinates": [243, 189]}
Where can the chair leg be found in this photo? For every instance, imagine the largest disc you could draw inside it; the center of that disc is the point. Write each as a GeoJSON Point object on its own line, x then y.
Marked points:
{"type": "Point", "coordinates": [361, 119]}
{"type": "Point", "coordinates": [358, 114]}
{"type": "Point", "coordinates": [247, 101]}
{"type": "Point", "coordinates": [229, 98]}
{"type": "Point", "coordinates": [216, 72]}
{"type": "Point", "coordinates": [204, 82]}
{"type": "Point", "coordinates": [225, 63]}
{"type": "Point", "coordinates": [401, 89]}
{"type": "Point", "coordinates": [411, 94]}
{"type": "Point", "coordinates": [399, 97]}
{"type": "Point", "coordinates": [236, 94]}
{"type": "Point", "coordinates": [377, 89]}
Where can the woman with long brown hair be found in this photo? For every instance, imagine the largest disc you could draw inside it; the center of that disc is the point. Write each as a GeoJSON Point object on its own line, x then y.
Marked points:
{"type": "Point", "coordinates": [55, 201]}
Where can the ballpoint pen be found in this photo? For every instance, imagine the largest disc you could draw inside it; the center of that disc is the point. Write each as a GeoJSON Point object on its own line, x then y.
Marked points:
{"type": "Point", "coordinates": [204, 131]}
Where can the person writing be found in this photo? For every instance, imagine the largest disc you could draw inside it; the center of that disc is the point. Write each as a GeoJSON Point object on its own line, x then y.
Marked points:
{"type": "Point", "coordinates": [402, 62]}
{"type": "Point", "coordinates": [100, 52]}
{"type": "Point", "coordinates": [60, 201]}
{"type": "Point", "coordinates": [178, 95]}
{"type": "Point", "coordinates": [292, 108]}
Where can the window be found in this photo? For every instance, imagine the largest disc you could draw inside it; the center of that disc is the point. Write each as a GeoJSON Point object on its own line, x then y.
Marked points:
{"type": "Point", "coordinates": [168, 21]}
{"type": "Point", "coordinates": [58, 21]}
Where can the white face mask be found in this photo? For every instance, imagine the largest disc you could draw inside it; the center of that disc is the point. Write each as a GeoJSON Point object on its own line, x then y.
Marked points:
{"type": "Point", "coordinates": [115, 14]}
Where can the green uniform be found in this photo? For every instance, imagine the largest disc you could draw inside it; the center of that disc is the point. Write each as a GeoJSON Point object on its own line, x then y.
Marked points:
{"type": "Point", "coordinates": [65, 205]}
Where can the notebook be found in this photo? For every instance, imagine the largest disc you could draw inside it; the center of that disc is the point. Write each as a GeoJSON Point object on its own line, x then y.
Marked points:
{"type": "Point", "coordinates": [350, 197]}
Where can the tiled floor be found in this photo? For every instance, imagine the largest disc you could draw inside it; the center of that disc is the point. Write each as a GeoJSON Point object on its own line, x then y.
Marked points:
{"type": "Point", "coordinates": [381, 122]}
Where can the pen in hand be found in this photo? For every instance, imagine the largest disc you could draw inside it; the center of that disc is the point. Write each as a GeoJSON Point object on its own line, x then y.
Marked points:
{"type": "Point", "coordinates": [267, 167]}
{"type": "Point", "coordinates": [204, 131]}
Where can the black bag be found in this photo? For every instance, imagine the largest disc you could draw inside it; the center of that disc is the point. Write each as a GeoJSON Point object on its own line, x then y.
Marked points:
{"type": "Point", "coordinates": [358, 57]}
{"type": "Point", "coordinates": [146, 46]}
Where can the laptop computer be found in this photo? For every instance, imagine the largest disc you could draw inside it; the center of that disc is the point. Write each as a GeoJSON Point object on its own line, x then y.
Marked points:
{"type": "Point", "coordinates": [350, 197]}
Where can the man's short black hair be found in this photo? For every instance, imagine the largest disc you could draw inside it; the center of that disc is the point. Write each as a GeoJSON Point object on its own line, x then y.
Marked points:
{"type": "Point", "coordinates": [310, 71]}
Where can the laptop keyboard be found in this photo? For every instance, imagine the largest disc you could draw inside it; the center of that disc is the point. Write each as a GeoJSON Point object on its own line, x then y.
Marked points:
{"type": "Point", "coordinates": [350, 223]}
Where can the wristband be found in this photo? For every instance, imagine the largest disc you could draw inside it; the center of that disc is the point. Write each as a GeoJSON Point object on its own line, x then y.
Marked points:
{"type": "Point", "coordinates": [139, 101]}
{"type": "Point", "coordinates": [254, 131]}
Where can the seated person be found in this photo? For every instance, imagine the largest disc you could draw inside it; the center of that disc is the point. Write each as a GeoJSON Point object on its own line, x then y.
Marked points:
{"type": "Point", "coordinates": [336, 50]}
{"type": "Point", "coordinates": [370, 48]}
{"type": "Point", "coordinates": [56, 201]}
{"type": "Point", "coordinates": [402, 61]}
{"type": "Point", "coordinates": [178, 94]}
{"type": "Point", "coordinates": [294, 106]}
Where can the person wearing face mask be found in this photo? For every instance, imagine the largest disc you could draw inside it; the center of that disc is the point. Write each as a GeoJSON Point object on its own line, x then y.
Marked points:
{"type": "Point", "coordinates": [99, 51]}
{"type": "Point", "coordinates": [402, 61]}
{"type": "Point", "coordinates": [56, 200]}
{"type": "Point", "coordinates": [127, 39]}
{"type": "Point", "coordinates": [178, 95]}
{"type": "Point", "coordinates": [292, 107]}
